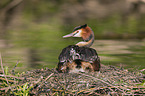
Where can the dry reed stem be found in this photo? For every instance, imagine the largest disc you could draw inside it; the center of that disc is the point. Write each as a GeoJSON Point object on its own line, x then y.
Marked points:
{"type": "Point", "coordinates": [5, 75]}
{"type": "Point", "coordinates": [13, 71]}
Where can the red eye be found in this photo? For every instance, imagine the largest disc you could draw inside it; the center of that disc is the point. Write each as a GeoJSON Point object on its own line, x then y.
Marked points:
{"type": "Point", "coordinates": [76, 32]}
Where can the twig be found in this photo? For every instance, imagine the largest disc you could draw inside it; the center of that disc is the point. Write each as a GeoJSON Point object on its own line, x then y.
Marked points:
{"type": "Point", "coordinates": [15, 67]}
{"type": "Point", "coordinates": [44, 80]}
{"type": "Point", "coordinates": [101, 81]}
{"type": "Point", "coordinates": [5, 79]}
{"type": "Point", "coordinates": [142, 70]}
{"type": "Point", "coordinates": [5, 75]}
{"type": "Point", "coordinates": [1, 75]}
{"type": "Point", "coordinates": [48, 76]}
{"type": "Point", "coordinates": [6, 88]}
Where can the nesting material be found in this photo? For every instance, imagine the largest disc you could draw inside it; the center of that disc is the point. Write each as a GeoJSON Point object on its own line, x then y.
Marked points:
{"type": "Point", "coordinates": [109, 81]}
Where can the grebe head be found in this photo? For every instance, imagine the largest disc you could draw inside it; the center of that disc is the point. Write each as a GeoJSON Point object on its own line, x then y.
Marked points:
{"type": "Point", "coordinates": [85, 32]}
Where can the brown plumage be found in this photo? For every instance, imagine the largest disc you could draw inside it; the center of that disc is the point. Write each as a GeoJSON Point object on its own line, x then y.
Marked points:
{"type": "Point", "coordinates": [86, 32]}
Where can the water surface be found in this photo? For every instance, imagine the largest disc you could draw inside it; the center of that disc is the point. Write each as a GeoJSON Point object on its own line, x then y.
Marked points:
{"type": "Point", "coordinates": [121, 53]}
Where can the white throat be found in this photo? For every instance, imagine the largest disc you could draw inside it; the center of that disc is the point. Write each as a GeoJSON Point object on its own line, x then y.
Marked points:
{"type": "Point", "coordinates": [85, 44]}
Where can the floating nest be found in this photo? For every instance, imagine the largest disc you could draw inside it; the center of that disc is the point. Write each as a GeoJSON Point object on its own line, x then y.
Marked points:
{"type": "Point", "coordinates": [109, 81]}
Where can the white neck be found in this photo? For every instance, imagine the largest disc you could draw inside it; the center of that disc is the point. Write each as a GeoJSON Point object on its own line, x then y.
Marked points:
{"type": "Point", "coordinates": [85, 44]}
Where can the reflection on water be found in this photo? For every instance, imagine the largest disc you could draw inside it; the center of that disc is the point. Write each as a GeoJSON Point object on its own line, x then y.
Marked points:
{"type": "Point", "coordinates": [129, 54]}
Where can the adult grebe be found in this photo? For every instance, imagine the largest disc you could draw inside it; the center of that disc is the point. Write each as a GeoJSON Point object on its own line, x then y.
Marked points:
{"type": "Point", "coordinates": [79, 57]}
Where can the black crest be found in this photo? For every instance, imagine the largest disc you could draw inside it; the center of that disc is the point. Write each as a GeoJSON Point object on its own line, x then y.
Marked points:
{"type": "Point", "coordinates": [79, 27]}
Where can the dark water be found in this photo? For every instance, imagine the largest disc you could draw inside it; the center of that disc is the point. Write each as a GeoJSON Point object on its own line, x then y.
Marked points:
{"type": "Point", "coordinates": [129, 54]}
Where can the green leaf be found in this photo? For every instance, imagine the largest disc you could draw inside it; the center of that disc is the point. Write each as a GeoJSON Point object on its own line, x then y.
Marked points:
{"type": "Point", "coordinates": [25, 86]}
{"type": "Point", "coordinates": [6, 70]}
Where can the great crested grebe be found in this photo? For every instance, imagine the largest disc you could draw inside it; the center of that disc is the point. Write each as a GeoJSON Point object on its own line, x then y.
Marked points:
{"type": "Point", "coordinates": [79, 57]}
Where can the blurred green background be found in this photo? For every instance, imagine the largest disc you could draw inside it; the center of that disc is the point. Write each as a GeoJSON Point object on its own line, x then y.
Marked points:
{"type": "Point", "coordinates": [31, 31]}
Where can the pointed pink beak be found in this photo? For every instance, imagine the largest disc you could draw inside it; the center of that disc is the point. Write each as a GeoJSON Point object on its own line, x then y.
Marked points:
{"type": "Point", "coordinates": [68, 35]}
